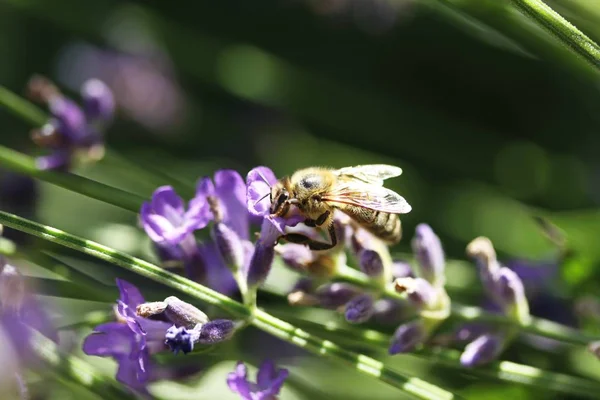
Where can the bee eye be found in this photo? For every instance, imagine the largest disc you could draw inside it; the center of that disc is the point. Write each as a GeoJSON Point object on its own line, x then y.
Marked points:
{"type": "Point", "coordinates": [310, 182]}
{"type": "Point", "coordinates": [283, 197]}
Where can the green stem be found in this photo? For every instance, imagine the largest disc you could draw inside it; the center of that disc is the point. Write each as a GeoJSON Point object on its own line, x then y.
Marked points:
{"type": "Point", "coordinates": [367, 365]}
{"type": "Point", "coordinates": [21, 107]}
{"type": "Point", "coordinates": [564, 31]}
{"type": "Point", "coordinates": [261, 319]}
{"type": "Point", "coordinates": [505, 371]}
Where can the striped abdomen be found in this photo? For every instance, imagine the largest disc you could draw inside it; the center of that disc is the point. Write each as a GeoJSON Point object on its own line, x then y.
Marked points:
{"type": "Point", "coordinates": [385, 226]}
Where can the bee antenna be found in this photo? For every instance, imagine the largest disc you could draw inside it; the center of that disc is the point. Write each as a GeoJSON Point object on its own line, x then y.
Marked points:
{"type": "Point", "coordinates": [261, 199]}
{"type": "Point", "coordinates": [263, 178]}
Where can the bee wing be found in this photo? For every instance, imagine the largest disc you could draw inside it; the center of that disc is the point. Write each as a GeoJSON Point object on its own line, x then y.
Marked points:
{"type": "Point", "coordinates": [374, 174]}
{"type": "Point", "coordinates": [368, 196]}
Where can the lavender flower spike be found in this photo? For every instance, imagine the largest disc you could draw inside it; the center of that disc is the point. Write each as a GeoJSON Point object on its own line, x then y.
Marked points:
{"type": "Point", "coordinates": [428, 251]}
{"type": "Point", "coordinates": [129, 341]}
{"type": "Point", "coordinates": [502, 284]}
{"type": "Point", "coordinates": [269, 381]}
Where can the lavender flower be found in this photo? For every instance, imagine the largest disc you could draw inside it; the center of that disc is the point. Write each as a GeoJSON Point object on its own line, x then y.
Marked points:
{"type": "Point", "coordinates": [258, 185]}
{"type": "Point", "coordinates": [19, 313]}
{"type": "Point", "coordinates": [425, 292]}
{"type": "Point", "coordinates": [183, 339]}
{"type": "Point", "coordinates": [502, 284]}
{"type": "Point", "coordinates": [72, 132]}
{"type": "Point", "coordinates": [269, 381]}
{"type": "Point", "coordinates": [130, 341]}
{"type": "Point", "coordinates": [171, 227]}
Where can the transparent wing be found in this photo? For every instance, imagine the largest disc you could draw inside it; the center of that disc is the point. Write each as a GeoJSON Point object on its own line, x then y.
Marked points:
{"type": "Point", "coordinates": [369, 196]}
{"type": "Point", "coordinates": [374, 174]}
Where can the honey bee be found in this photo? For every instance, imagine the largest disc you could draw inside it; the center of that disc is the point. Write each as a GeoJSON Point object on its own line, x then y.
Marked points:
{"type": "Point", "coordinates": [356, 191]}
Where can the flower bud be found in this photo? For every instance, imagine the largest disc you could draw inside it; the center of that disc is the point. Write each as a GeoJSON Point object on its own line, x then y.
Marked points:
{"type": "Point", "coordinates": [260, 263]}
{"type": "Point", "coordinates": [428, 251]}
{"type": "Point", "coordinates": [511, 294]}
{"type": "Point", "coordinates": [371, 263]}
{"type": "Point", "coordinates": [482, 350]}
{"type": "Point", "coordinates": [176, 311]}
{"type": "Point", "coordinates": [359, 309]}
{"type": "Point", "coordinates": [216, 331]}
{"type": "Point", "coordinates": [98, 100]}
{"type": "Point", "coordinates": [337, 294]}
{"type": "Point", "coordinates": [407, 337]}
{"type": "Point", "coordinates": [230, 246]}
{"type": "Point", "coordinates": [419, 291]}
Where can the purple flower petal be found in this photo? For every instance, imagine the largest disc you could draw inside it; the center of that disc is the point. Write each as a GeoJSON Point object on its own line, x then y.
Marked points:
{"type": "Point", "coordinates": [266, 373]}
{"type": "Point", "coordinates": [129, 294]}
{"type": "Point", "coordinates": [59, 160]}
{"type": "Point", "coordinates": [205, 187]}
{"type": "Point", "coordinates": [70, 117]}
{"type": "Point", "coordinates": [218, 276]}
{"type": "Point", "coordinates": [231, 191]}
{"type": "Point", "coordinates": [238, 381]}
{"type": "Point", "coordinates": [258, 186]}
{"type": "Point", "coordinates": [109, 340]}
{"type": "Point", "coordinates": [166, 202]}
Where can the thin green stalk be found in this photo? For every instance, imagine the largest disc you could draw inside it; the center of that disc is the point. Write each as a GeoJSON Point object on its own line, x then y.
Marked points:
{"type": "Point", "coordinates": [261, 319]}
{"type": "Point", "coordinates": [562, 29]}
{"type": "Point", "coordinates": [21, 107]}
{"type": "Point", "coordinates": [504, 371]}
{"type": "Point", "coordinates": [367, 365]}
{"type": "Point", "coordinates": [74, 370]}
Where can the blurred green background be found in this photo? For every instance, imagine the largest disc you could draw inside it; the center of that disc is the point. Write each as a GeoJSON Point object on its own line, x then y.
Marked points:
{"type": "Point", "coordinates": [492, 121]}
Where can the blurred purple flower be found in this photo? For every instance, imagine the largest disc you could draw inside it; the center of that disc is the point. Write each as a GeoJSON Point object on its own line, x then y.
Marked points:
{"type": "Point", "coordinates": [269, 381]}
{"type": "Point", "coordinates": [20, 312]}
{"type": "Point", "coordinates": [130, 341]}
{"type": "Point", "coordinates": [359, 309]}
{"type": "Point", "coordinates": [18, 195]}
{"type": "Point", "coordinates": [71, 132]}
{"type": "Point", "coordinates": [135, 80]}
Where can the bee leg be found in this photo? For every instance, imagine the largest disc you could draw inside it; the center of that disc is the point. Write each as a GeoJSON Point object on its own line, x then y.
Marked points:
{"type": "Point", "coordinates": [322, 218]}
{"type": "Point", "coordinates": [310, 222]}
{"type": "Point", "coordinates": [312, 244]}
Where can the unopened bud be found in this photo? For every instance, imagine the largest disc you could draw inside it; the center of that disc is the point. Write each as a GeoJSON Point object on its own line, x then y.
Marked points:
{"type": "Point", "coordinates": [230, 246]}
{"type": "Point", "coordinates": [371, 263]}
{"type": "Point", "coordinates": [216, 331]}
{"type": "Point", "coordinates": [260, 263]}
{"type": "Point", "coordinates": [359, 309]}
{"type": "Point", "coordinates": [177, 311]}
{"type": "Point", "coordinates": [482, 350]}
{"type": "Point", "coordinates": [391, 311]}
{"type": "Point", "coordinates": [407, 337]}
{"type": "Point", "coordinates": [428, 251]}
{"type": "Point", "coordinates": [337, 294]}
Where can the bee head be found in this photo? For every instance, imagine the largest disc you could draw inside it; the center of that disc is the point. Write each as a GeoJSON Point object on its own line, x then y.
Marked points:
{"type": "Point", "coordinates": [280, 199]}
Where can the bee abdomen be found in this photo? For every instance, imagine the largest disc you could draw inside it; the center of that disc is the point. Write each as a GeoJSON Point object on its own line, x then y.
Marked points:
{"type": "Point", "coordinates": [385, 226]}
